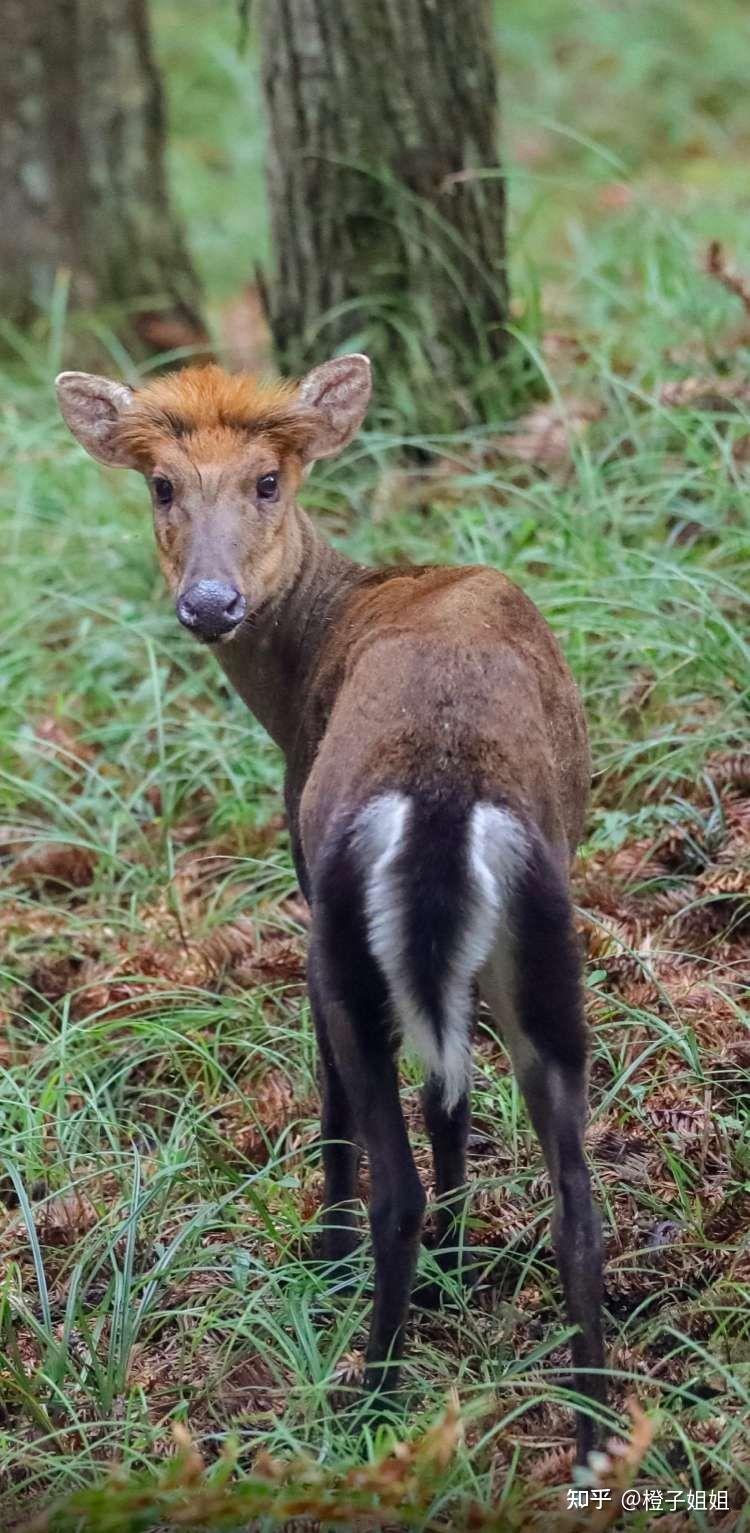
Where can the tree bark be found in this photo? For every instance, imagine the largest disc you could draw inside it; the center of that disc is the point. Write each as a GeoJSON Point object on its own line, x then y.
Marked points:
{"type": "Point", "coordinates": [386, 199]}
{"type": "Point", "coordinates": [82, 179]}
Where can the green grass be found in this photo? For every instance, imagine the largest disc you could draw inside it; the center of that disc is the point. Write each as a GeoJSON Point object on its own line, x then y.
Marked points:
{"type": "Point", "coordinates": [162, 1173]}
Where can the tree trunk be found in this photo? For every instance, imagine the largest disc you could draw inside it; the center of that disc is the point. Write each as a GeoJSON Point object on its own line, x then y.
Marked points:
{"type": "Point", "coordinates": [387, 203]}
{"type": "Point", "coordinates": [82, 180]}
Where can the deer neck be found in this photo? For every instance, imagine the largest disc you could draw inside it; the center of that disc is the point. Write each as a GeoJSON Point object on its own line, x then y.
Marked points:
{"type": "Point", "coordinates": [271, 661]}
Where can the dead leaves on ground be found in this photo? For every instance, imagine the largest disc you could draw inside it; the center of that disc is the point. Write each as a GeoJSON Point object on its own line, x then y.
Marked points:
{"type": "Point", "coordinates": [266, 1103]}
{"type": "Point", "coordinates": [54, 866]}
{"type": "Point", "coordinates": [723, 390]}
{"type": "Point", "coordinates": [65, 1218]}
{"type": "Point", "coordinates": [58, 739]}
{"type": "Point", "coordinates": [155, 975]}
{"type": "Point", "coordinates": [169, 955]}
{"type": "Point", "coordinates": [544, 439]}
{"type": "Point", "coordinates": [717, 393]}
{"type": "Point", "coordinates": [294, 1493]}
{"type": "Point", "coordinates": [686, 886]}
{"type": "Point", "coordinates": [666, 921]}
{"type": "Point", "coordinates": [396, 1490]}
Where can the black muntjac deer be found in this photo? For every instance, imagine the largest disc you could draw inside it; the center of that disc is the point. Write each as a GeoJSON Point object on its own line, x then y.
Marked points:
{"type": "Point", "coordinates": [437, 774]}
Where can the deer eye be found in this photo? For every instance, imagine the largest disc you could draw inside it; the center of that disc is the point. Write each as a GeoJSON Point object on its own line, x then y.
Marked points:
{"type": "Point", "coordinates": [163, 490]}
{"type": "Point", "coordinates": [267, 486]}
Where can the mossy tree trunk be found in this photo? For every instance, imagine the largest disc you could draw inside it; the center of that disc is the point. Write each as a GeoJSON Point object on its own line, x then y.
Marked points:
{"type": "Point", "coordinates": [82, 181]}
{"type": "Point", "coordinates": [386, 199]}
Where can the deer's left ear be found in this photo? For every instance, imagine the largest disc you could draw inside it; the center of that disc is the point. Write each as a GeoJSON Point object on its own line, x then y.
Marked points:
{"type": "Point", "coordinates": [93, 408]}
{"type": "Point", "coordinates": [336, 396]}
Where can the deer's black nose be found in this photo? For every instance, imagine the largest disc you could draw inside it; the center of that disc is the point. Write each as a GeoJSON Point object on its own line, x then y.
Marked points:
{"type": "Point", "coordinates": [209, 608]}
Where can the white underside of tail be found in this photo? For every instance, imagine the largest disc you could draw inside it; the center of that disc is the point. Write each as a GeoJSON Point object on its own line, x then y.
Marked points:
{"type": "Point", "coordinates": [496, 852]}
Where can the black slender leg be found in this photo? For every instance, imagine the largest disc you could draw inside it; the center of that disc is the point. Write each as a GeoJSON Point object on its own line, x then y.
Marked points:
{"type": "Point", "coordinates": [556, 1098]}
{"type": "Point", "coordinates": [533, 990]}
{"type": "Point", "coordinates": [396, 1214]}
{"type": "Point", "coordinates": [353, 997]}
{"type": "Point", "coordinates": [340, 1152]}
{"type": "Point", "coordinates": [367, 1070]}
{"type": "Point", "coordinates": [448, 1131]}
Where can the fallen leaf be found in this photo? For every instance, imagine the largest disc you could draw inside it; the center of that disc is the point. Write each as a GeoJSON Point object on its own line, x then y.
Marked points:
{"type": "Point", "coordinates": [547, 435]}
{"type": "Point", "coordinates": [55, 865]}
{"type": "Point", "coordinates": [58, 738]}
{"type": "Point", "coordinates": [64, 1219]}
{"type": "Point", "coordinates": [718, 393]}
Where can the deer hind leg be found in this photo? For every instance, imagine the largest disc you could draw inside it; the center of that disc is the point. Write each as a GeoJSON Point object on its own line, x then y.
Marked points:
{"type": "Point", "coordinates": [367, 1068]}
{"type": "Point", "coordinates": [340, 1147]}
{"type": "Point", "coordinates": [532, 987]}
{"type": "Point", "coordinates": [448, 1131]}
{"type": "Point", "coordinates": [556, 1099]}
{"type": "Point", "coordinates": [352, 996]}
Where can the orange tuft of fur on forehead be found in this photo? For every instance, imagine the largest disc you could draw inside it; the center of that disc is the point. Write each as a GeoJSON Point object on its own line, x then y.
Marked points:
{"type": "Point", "coordinates": [205, 407]}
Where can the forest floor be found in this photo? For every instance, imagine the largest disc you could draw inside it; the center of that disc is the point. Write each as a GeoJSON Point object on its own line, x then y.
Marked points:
{"type": "Point", "coordinates": [157, 1091]}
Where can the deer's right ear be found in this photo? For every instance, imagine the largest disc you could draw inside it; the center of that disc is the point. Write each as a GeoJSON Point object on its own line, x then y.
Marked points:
{"type": "Point", "coordinates": [93, 408]}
